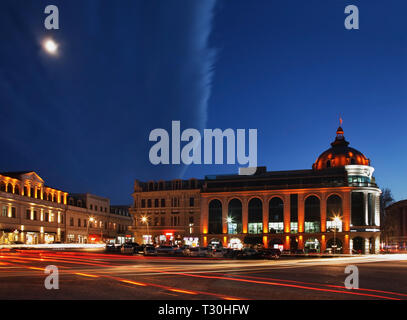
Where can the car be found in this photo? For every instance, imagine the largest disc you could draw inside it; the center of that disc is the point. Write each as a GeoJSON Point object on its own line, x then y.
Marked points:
{"type": "Point", "coordinates": [248, 253]}
{"type": "Point", "coordinates": [165, 249]}
{"type": "Point", "coordinates": [231, 253]}
{"type": "Point", "coordinates": [150, 251]}
{"type": "Point", "coordinates": [180, 250]}
{"type": "Point", "coordinates": [111, 247]}
{"type": "Point", "coordinates": [197, 252]}
{"type": "Point", "coordinates": [271, 253]}
{"type": "Point", "coordinates": [130, 248]}
{"type": "Point", "coordinates": [216, 253]}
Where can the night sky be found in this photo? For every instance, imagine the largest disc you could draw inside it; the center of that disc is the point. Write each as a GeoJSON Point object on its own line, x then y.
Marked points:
{"type": "Point", "coordinates": [82, 118]}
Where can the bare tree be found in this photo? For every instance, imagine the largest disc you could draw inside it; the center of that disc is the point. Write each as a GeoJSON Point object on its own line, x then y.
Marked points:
{"type": "Point", "coordinates": [386, 199]}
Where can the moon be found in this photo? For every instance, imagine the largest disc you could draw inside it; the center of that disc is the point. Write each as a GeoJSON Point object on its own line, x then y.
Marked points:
{"type": "Point", "coordinates": [50, 46]}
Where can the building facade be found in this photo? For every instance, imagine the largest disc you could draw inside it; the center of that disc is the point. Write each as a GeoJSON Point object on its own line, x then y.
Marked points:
{"type": "Point", "coordinates": [167, 211]}
{"type": "Point", "coordinates": [395, 226]}
{"type": "Point", "coordinates": [332, 207]}
{"type": "Point", "coordinates": [335, 207]}
{"type": "Point", "coordinates": [33, 213]}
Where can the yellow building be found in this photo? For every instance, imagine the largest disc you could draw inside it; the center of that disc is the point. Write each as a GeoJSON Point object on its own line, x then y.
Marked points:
{"type": "Point", "coordinates": [33, 213]}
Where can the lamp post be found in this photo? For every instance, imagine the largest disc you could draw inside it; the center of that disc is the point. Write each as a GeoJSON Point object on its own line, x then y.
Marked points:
{"type": "Point", "coordinates": [145, 220]}
{"type": "Point", "coordinates": [90, 219]}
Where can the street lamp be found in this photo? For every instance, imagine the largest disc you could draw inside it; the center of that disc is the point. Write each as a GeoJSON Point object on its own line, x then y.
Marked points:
{"type": "Point", "coordinates": [90, 219]}
{"type": "Point", "coordinates": [145, 220]}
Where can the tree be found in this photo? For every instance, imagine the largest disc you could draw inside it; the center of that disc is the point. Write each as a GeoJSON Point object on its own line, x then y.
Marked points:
{"type": "Point", "coordinates": [386, 199]}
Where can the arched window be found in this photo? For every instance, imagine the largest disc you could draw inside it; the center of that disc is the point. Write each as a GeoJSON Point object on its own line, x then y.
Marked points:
{"type": "Point", "coordinates": [328, 164]}
{"type": "Point", "coordinates": [334, 245]}
{"type": "Point", "coordinates": [334, 213]}
{"type": "Point", "coordinates": [26, 191]}
{"type": "Point", "coordinates": [255, 216]}
{"type": "Point", "coordinates": [10, 188]}
{"type": "Point", "coordinates": [16, 189]}
{"type": "Point", "coordinates": [215, 217]}
{"type": "Point", "coordinates": [276, 215]}
{"type": "Point", "coordinates": [2, 186]}
{"type": "Point", "coordinates": [234, 216]}
{"type": "Point", "coordinates": [312, 215]}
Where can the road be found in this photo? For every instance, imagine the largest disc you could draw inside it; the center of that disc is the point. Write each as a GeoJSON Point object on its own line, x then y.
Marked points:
{"type": "Point", "coordinates": [97, 275]}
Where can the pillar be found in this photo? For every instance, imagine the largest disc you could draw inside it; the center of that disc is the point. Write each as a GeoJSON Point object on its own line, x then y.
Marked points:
{"type": "Point", "coordinates": [224, 216]}
{"type": "Point", "coordinates": [300, 242]}
{"type": "Point", "coordinates": [287, 205]}
{"type": "Point", "coordinates": [204, 215]}
{"type": "Point", "coordinates": [367, 242]}
{"type": "Point", "coordinates": [245, 214]}
{"type": "Point", "coordinates": [301, 213]}
{"type": "Point", "coordinates": [323, 213]}
{"type": "Point", "coordinates": [366, 208]}
{"type": "Point", "coordinates": [346, 247]}
{"type": "Point", "coordinates": [265, 216]}
{"type": "Point", "coordinates": [287, 243]}
{"type": "Point", "coordinates": [323, 243]}
{"type": "Point", "coordinates": [346, 207]}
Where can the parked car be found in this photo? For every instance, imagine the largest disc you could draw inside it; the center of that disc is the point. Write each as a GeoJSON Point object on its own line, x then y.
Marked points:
{"type": "Point", "coordinates": [165, 249]}
{"type": "Point", "coordinates": [216, 253]}
{"type": "Point", "coordinates": [111, 247]}
{"type": "Point", "coordinates": [271, 253]}
{"type": "Point", "coordinates": [248, 253]}
{"type": "Point", "coordinates": [130, 248]}
{"type": "Point", "coordinates": [180, 250]}
{"type": "Point", "coordinates": [150, 251]}
{"type": "Point", "coordinates": [197, 252]}
{"type": "Point", "coordinates": [231, 253]}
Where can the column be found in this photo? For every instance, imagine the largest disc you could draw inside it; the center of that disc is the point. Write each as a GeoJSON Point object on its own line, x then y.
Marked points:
{"type": "Point", "coordinates": [265, 215]}
{"type": "Point", "coordinates": [365, 201]}
{"type": "Point", "coordinates": [224, 216]}
{"type": "Point", "coordinates": [346, 206]}
{"type": "Point", "coordinates": [204, 215]}
{"type": "Point", "coordinates": [300, 213]}
{"type": "Point", "coordinates": [287, 205]}
{"type": "Point", "coordinates": [300, 242]}
{"type": "Point", "coordinates": [245, 214]}
{"type": "Point", "coordinates": [346, 246]}
{"type": "Point", "coordinates": [323, 243]}
{"type": "Point", "coordinates": [323, 212]}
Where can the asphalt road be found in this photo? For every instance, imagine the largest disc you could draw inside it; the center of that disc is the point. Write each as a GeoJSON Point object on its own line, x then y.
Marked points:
{"type": "Point", "coordinates": [96, 275]}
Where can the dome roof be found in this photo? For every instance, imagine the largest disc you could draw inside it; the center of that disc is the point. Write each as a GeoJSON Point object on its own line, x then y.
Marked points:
{"type": "Point", "coordinates": [340, 155]}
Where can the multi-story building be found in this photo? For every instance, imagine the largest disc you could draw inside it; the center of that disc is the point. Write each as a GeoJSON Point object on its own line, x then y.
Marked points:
{"type": "Point", "coordinates": [395, 226]}
{"type": "Point", "coordinates": [333, 206]}
{"type": "Point", "coordinates": [33, 213]}
{"type": "Point", "coordinates": [167, 211]}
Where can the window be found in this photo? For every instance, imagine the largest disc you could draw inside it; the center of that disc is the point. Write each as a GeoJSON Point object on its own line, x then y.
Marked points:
{"type": "Point", "coordinates": [91, 207]}
{"type": "Point", "coordinates": [4, 211]}
{"type": "Point", "coordinates": [28, 214]}
{"type": "Point", "coordinates": [191, 202]}
{"type": "Point", "coordinates": [96, 208]}
{"type": "Point", "coordinates": [47, 216]}
{"type": "Point", "coordinates": [35, 215]}
{"type": "Point", "coordinates": [156, 203]}
{"type": "Point", "coordinates": [162, 202]}
{"type": "Point", "coordinates": [162, 222]}
{"type": "Point", "coordinates": [143, 203]}
{"type": "Point", "coordinates": [71, 223]}
{"type": "Point", "coordinates": [191, 219]}
{"type": "Point", "coordinates": [149, 203]}
{"type": "Point", "coordinates": [13, 212]}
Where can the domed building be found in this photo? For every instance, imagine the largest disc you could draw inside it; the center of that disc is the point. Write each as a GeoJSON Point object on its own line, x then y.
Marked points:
{"type": "Point", "coordinates": [340, 155]}
{"type": "Point", "coordinates": [331, 207]}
